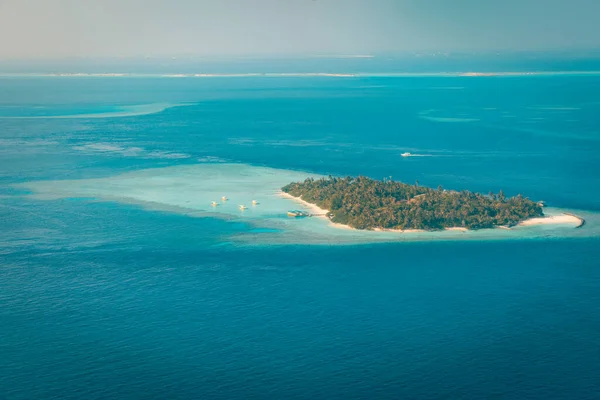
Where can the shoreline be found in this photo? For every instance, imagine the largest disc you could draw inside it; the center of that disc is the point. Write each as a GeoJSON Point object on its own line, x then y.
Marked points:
{"type": "Point", "coordinates": [313, 208]}
{"type": "Point", "coordinates": [564, 218]}
{"type": "Point", "coordinates": [581, 220]}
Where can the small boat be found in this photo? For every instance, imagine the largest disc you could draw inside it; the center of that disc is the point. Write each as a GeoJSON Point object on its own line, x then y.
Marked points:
{"type": "Point", "coordinates": [407, 154]}
{"type": "Point", "coordinates": [224, 198]}
{"type": "Point", "coordinates": [297, 213]}
{"type": "Point", "coordinates": [214, 204]}
{"type": "Point", "coordinates": [243, 207]}
{"type": "Point", "coordinates": [254, 202]}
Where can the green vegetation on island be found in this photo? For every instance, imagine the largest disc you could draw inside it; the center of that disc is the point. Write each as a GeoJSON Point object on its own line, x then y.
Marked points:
{"type": "Point", "coordinates": [365, 203]}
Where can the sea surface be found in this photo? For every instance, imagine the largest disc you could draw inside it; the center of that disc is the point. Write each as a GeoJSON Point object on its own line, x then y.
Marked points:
{"type": "Point", "coordinates": [116, 283]}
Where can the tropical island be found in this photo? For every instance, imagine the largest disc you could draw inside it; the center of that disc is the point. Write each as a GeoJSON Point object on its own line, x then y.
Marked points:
{"type": "Point", "coordinates": [365, 203]}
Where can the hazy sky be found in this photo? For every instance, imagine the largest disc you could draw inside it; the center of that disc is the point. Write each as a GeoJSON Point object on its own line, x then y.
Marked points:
{"type": "Point", "coordinates": [59, 28]}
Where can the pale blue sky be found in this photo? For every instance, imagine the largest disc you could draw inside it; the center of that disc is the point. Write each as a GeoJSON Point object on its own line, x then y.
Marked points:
{"type": "Point", "coordinates": [97, 28]}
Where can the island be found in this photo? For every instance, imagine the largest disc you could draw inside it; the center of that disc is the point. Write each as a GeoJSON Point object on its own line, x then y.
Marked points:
{"type": "Point", "coordinates": [370, 204]}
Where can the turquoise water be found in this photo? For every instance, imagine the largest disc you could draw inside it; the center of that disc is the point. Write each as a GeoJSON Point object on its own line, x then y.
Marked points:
{"type": "Point", "coordinates": [113, 286]}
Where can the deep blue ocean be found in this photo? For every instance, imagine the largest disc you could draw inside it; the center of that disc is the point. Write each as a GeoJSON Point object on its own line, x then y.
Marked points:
{"type": "Point", "coordinates": [103, 300]}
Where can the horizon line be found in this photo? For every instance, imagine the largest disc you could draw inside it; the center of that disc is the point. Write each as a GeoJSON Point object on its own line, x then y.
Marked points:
{"type": "Point", "coordinates": [467, 74]}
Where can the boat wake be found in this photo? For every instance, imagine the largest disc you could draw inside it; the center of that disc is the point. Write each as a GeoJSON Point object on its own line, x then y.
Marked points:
{"type": "Point", "coordinates": [407, 154]}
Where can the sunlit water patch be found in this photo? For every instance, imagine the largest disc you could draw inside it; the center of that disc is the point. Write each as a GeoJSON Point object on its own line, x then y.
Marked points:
{"type": "Point", "coordinates": [241, 192]}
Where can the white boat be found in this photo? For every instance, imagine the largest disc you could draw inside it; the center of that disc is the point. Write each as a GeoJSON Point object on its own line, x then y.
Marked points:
{"type": "Point", "coordinates": [214, 204]}
{"type": "Point", "coordinates": [254, 202]}
{"type": "Point", "coordinates": [243, 207]}
{"type": "Point", "coordinates": [224, 198]}
{"type": "Point", "coordinates": [407, 154]}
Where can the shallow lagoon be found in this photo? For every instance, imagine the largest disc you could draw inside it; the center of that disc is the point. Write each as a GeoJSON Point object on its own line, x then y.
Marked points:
{"type": "Point", "coordinates": [190, 190]}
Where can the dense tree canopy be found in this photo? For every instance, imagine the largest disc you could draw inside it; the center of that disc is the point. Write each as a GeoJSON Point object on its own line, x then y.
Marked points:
{"type": "Point", "coordinates": [366, 203]}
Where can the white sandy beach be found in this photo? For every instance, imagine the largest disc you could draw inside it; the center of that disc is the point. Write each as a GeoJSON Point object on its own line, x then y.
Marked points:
{"type": "Point", "coordinates": [313, 208]}
{"type": "Point", "coordinates": [553, 219]}
{"type": "Point", "coordinates": [457, 228]}
{"type": "Point", "coordinates": [399, 230]}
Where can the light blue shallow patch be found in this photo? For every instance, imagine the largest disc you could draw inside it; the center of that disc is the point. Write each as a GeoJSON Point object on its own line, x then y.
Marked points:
{"type": "Point", "coordinates": [114, 112]}
{"type": "Point", "coordinates": [191, 190]}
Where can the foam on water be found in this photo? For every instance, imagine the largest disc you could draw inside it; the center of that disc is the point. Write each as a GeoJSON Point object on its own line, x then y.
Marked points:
{"type": "Point", "coordinates": [190, 189]}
